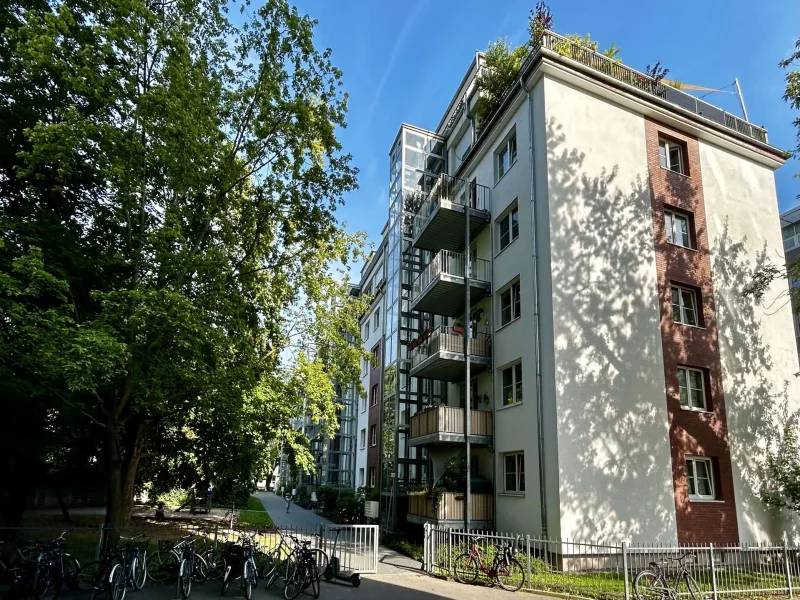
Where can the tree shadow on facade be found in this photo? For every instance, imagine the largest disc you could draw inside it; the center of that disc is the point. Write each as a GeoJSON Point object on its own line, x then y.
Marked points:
{"type": "Point", "coordinates": [614, 456]}
{"type": "Point", "coordinates": [757, 399]}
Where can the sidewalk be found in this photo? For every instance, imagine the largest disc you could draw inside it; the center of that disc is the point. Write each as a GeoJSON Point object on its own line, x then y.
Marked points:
{"type": "Point", "coordinates": [296, 517]}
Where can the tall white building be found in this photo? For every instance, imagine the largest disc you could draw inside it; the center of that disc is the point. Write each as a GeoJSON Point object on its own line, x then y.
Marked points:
{"type": "Point", "coordinates": [621, 386]}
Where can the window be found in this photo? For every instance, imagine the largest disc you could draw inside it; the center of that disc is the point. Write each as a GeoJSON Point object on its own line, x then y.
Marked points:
{"type": "Point", "coordinates": [671, 156]}
{"type": "Point", "coordinates": [372, 477]}
{"type": "Point", "coordinates": [514, 467]}
{"type": "Point", "coordinates": [684, 306]}
{"type": "Point", "coordinates": [677, 226]}
{"type": "Point", "coordinates": [376, 353]}
{"type": "Point", "coordinates": [361, 477]}
{"type": "Point", "coordinates": [363, 403]}
{"type": "Point", "coordinates": [364, 438]}
{"type": "Point", "coordinates": [373, 395]}
{"type": "Point", "coordinates": [376, 320]}
{"type": "Point", "coordinates": [691, 383]}
{"type": "Point", "coordinates": [366, 329]}
{"type": "Point", "coordinates": [512, 384]}
{"type": "Point", "coordinates": [509, 304]}
{"type": "Point", "coordinates": [699, 472]}
{"type": "Point", "coordinates": [373, 435]}
{"type": "Point", "coordinates": [507, 155]}
{"type": "Point", "coordinates": [509, 227]}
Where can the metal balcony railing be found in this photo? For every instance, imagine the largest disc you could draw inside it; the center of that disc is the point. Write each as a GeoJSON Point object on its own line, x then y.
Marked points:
{"type": "Point", "coordinates": [586, 56]}
{"type": "Point", "coordinates": [446, 339]}
{"type": "Point", "coordinates": [451, 263]}
{"type": "Point", "coordinates": [455, 191]}
{"type": "Point", "coordinates": [449, 419]}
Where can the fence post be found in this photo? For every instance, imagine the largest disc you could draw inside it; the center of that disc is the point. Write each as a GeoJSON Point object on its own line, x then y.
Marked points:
{"type": "Point", "coordinates": [713, 573]}
{"type": "Point", "coordinates": [788, 568]}
{"type": "Point", "coordinates": [528, 554]}
{"type": "Point", "coordinates": [426, 547]}
{"type": "Point", "coordinates": [625, 570]}
{"type": "Point", "coordinates": [450, 551]}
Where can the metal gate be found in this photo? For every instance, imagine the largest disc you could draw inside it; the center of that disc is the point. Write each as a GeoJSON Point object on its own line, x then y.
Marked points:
{"type": "Point", "coordinates": [356, 546]}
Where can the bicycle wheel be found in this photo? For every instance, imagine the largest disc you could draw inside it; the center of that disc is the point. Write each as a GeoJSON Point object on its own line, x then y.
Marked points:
{"type": "Point", "coordinates": [694, 589]}
{"type": "Point", "coordinates": [185, 578]}
{"type": "Point", "coordinates": [216, 563]}
{"type": "Point", "coordinates": [465, 568]}
{"type": "Point", "coordinates": [199, 569]}
{"type": "Point", "coordinates": [89, 575]}
{"type": "Point", "coordinates": [320, 561]}
{"type": "Point", "coordinates": [116, 582]}
{"type": "Point", "coordinates": [138, 572]}
{"type": "Point", "coordinates": [510, 575]}
{"type": "Point", "coordinates": [71, 566]}
{"type": "Point", "coordinates": [297, 581]}
{"type": "Point", "coordinates": [648, 585]}
{"type": "Point", "coordinates": [161, 566]}
{"type": "Point", "coordinates": [248, 576]}
{"type": "Point", "coordinates": [46, 583]}
{"type": "Point", "coordinates": [315, 583]}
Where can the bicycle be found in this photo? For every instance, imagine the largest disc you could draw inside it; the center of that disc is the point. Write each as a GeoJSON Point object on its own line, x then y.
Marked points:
{"type": "Point", "coordinates": [165, 563]}
{"type": "Point", "coordinates": [53, 568]}
{"type": "Point", "coordinates": [190, 567]}
{"type": "Point", "coordinates": [651, 583]}
{"type": "Point", "coordinates": [304, 574]}
{"type": "Point", "coordinates": [277, 564]}
{"type": "Point", "coordinates": [505, 570]}
{"type": "Point", "coordinates": [241, 557]}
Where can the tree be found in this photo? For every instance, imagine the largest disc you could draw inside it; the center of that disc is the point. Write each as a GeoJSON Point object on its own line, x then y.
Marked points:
{"type": "Point", "coordinates": [501, 67]}
{"type": "Point", "coordinates": [781, 486]}
{"type": "Point", "coordinates": [176, 176]}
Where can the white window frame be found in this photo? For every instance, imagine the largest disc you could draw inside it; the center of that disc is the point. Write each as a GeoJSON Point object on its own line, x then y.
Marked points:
{"type": "Point", "coordinates": [363, 403]}
{"type": "Point", "coordinates": [516, 386]}
{"type": "Point", "coordinates": [363, 438]}
{"type": "Point", "coordinates": [514, 291]}
{"type": "Point", "coordinates": [709, 466]}
{"type": "Point", "coordinates": [519, 473]}
{"type": "Point", "coordinates": [507, 219]}
{"type": "Point", "coordinates": [376, 320]}
{"type": "Point", "coordinates": [361, 477]}
{"type": "Point", "coordinates": [372, 477]}
{"type": "Point", "coordinates": [670, 221]}
{"type": "Point", "coordinates": [373, 435]}
{"type": "Point", "coordinates": [508, 148]}
{"type": "Point", "coordinates": [665, 158]}
{"type": "Point", "coordinates": [689, 389]}
{"type": "Point", "coordinates": [374, 399]}
{"type": "Point", "coordinates": [682, 307]}
{"type": "Point", "coordinates": [366, 330]}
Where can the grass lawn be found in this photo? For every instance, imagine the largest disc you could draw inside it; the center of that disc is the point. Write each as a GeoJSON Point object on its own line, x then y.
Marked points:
{"type": "Point", "coordinates": [255, 515]}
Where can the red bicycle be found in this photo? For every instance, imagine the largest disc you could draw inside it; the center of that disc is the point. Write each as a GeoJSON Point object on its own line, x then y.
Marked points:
{"type": "Point", "coordinates": [505, 569]}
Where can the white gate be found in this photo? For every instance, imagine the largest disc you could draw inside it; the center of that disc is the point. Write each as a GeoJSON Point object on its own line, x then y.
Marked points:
{"type": "Point", "coordinates": [356, 546]}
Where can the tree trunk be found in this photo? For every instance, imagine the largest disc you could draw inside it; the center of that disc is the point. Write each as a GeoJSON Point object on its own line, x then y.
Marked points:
{"type": "Point", "coordinates": [114, 508]}
{"type": "Point", "coordinates": [133, 454]}
{"type": "Point", "coordinates": [61, 504]}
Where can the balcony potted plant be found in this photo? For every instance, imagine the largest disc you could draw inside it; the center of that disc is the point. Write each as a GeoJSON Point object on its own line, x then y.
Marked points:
{"type": "Point", "coordinates": [458, 326]}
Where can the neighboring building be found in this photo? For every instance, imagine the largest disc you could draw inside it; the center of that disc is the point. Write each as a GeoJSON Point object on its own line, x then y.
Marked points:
{"type": "Point", "coordinates": [790, 225]}
{"type": "Point", "coordinates": [622, 387]}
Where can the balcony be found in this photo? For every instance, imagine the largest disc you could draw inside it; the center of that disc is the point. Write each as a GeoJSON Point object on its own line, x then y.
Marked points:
{"type": "Point", "coordinates": [440, 355]}
{"type": "Point", "coordinates": [451, 509]}
{"type": "Point", "coordinates": [443, 425]}
{"type": "Point", "coordinates": [439, 288]}
{"type": "Point", "coordinates": [440, 222]}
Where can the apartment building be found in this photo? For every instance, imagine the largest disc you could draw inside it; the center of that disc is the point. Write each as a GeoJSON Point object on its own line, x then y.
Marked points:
{"type": "Point", "coordinates": [591, 238]}
{"type": "Point", "coordinates": [790, 227]}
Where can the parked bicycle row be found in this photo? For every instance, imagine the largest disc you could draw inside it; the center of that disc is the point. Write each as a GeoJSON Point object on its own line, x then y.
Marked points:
{"type": "Point", "coordinates": [294, 562]}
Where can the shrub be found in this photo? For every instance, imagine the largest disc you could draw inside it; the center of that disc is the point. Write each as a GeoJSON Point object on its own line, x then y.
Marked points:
{"type": "Point", "coordinates": [173, 498]}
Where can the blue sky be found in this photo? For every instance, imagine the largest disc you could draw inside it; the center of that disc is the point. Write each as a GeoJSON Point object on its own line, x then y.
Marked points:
{"type": "Point", "coordinates": [402, 62]}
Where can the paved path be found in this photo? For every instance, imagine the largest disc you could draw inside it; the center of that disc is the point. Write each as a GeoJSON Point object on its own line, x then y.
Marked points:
{"type": "Point", "coordinates": [296, 517]}
{"type": "Point", "coordinates": [385, 587]}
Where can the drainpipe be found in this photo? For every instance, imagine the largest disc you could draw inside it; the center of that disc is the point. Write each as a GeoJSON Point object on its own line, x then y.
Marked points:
{"type": "Point", "coordinates": [537, 335]}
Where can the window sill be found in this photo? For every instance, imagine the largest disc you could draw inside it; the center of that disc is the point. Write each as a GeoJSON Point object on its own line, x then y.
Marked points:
{"type": "Point", "coordinates": [512, 494]}
{"type": "Point", "coordinates": [511, 166]}
{"type": "Point", "coordinates": [706, 500]}
{"type": "Point", "coordinates": [687, 325]}
{"type": "Point", "coordinates": [499, 252]}
{"type": "Point", "coordinates": [702, 411]}
{"type": "Point", "coordinates": [678, 173]}
{"type": "Point", "coordinates": [512, 405]}
{"type": "Point", "coordinates": [689, 248]}
{"type": "Point", "coordinates": [511, 322]}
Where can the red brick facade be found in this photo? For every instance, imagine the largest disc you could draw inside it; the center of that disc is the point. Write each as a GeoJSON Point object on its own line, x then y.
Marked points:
{"type": "Point", "coordinates": [374, 413]}
{"type": "Point", "coordinates": [692, 433]}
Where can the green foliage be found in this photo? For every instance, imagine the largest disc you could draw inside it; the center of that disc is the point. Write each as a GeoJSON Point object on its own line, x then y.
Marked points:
{"type": "Point", "coordinates": [341, 505]}
{"type": "Point", "coordinates": [502, 64]}
{"type": "Point", "coordinates": [781, 486]}
{"type": "Point", "coordinates": [173, 498]}
{"type": "Point", "coordinates": [255, 515]}
{"type": "Point", "coordinates": [403, 546]}
{"type": "Point", "coordinates": [168, 233]}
